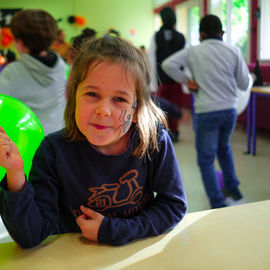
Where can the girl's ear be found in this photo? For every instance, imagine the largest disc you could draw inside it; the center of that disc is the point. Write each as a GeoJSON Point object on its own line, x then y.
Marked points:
{"type": "Point", "coordinates": [203, 36]}
{"type": "Point", "coordinates": [21, 48]}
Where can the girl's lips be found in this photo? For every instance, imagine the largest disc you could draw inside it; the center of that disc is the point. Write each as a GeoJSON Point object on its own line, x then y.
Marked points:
{"type": "Point", "coordinates": [99, 127]}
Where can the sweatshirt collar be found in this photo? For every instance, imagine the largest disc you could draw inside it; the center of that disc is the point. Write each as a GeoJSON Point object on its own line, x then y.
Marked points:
{"type": "Point", "coordinates": [214, 37]}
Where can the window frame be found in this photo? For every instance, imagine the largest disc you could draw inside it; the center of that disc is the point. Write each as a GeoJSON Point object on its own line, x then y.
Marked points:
{"type": "Point", "coordinates": [189, 4]}
{"type": "Point", "coordinates": [229, 30]}
{"type": "Point", "coordinates": [260, 34]}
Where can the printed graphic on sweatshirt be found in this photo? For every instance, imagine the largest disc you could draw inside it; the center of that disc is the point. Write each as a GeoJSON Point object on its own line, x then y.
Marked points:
{"type": "Point", "coordinates": [124, 192]}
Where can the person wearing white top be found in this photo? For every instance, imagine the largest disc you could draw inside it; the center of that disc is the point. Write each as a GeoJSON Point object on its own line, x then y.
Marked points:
{"type": "Point", "coordinates": [217, 69]}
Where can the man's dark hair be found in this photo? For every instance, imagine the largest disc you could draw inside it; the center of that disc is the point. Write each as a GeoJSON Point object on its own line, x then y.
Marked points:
{"type": "Point", "coordinates": [211, 25]}
{"type": "Point", "coordinates": [168, 17]}
{"type": "Point", "coordinates": [35, 27]}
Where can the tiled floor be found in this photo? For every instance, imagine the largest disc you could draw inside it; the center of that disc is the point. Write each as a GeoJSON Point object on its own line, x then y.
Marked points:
{"type": "Point", "coordinates": [253, 171]}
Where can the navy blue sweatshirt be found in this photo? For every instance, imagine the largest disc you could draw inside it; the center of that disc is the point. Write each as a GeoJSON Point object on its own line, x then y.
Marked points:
{"type": "Point", "coordinates": [66, 174]}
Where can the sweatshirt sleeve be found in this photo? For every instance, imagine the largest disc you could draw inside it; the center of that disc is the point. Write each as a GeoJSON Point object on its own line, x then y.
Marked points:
{"type": "Point", "coordinates": [174, 66]}
{"type": "Point", "coordinates": [163, 213]}
{"type": "Point", "coordinates": [32, 214]}
{"type": "Point", "coordinates": [242, 72]}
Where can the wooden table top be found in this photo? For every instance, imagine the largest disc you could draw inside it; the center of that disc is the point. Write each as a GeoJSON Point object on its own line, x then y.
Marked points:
{"type": "Point", "coordinates": [228, 238]}
{"type": "Point", "coordinates": [261, 89]}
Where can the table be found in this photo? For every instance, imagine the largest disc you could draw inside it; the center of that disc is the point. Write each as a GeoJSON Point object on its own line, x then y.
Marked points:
{"type": "Point", "coordinates": [251, 119]}
{"type": "Point", "coordinates": [235, 237]}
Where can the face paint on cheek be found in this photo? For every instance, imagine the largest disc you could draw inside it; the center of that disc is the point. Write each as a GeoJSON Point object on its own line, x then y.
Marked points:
{"type": "Point", "coordinates": [125, 118]}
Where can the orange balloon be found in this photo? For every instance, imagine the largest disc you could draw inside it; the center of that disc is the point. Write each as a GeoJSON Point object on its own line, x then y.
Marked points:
{"type": "Point", "coordinates": [80, 20]}
{"type": "Point", "coordinates": [2, 60]}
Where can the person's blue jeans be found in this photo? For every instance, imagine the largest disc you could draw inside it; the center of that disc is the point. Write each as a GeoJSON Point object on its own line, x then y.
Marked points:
{"type": "Point", "coordinates": [213, 132]}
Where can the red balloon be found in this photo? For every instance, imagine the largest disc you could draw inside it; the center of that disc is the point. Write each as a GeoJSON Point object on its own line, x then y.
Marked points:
{"type": "Point", "coordinates": [5, 42]}
{"type": "Point", "coordinates": [9, 37]}
{"type": "Point", "coordinates": [5, 31]}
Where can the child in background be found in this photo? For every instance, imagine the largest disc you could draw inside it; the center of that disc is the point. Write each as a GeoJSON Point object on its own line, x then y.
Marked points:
{"type": "Point", "coordinates": [60, 45]}
{"type": "Point", "coordinates": [113, 32]}
{"type": "Point", "coordinates": [216, 68]}
{"type": "Point", "coordinates": [99, 174]}
{"type": "Point", "coordinates": [38, 78]}
{"type": "Point", "coordinates": [77, 41]}
{"type": "Point", "coordinates": [165, 42]}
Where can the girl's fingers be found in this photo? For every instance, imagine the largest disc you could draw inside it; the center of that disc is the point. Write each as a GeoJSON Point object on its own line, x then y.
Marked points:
{"type": "Point", "coordinates": [87, 211]}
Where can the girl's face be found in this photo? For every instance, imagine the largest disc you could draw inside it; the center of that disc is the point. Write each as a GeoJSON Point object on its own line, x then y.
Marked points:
{"type": "Point", "coordinates": [105, 106]}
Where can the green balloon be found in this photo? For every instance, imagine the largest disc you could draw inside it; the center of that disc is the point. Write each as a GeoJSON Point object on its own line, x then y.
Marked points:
{"type": "Point", "coordinates": [23, 127]}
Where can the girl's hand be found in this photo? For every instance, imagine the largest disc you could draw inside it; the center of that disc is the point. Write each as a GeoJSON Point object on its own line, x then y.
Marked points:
{"type": "Point", "coordinates": [10, 157]}
{"type": "Point", "coordinates": [89, 223]}
{"type": "Point", "coordinates": [11, 160]}
{"type": "Point", "coordinates": [192, 86]}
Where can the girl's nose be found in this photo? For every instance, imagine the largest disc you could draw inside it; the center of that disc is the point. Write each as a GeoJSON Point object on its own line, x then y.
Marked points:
{"type": "Point", "coordinates": [103, 109]}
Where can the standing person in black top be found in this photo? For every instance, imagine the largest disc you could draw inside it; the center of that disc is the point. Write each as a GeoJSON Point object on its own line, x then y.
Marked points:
{"type": "Point", "coordinates": [164, 43]}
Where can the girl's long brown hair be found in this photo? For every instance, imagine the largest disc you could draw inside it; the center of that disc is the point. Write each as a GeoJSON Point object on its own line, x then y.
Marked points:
{"type": "Point", "coordinates": [116, 50]}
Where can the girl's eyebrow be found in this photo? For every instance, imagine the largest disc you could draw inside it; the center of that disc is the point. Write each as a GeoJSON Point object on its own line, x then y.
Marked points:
{"type": "Point", "coordinates": [92, 87]}
{"type": "Point", "coordinates": [122, 92]}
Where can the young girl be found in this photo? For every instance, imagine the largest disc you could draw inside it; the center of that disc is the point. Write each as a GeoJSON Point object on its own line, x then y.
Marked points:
{"type": "Point", "coordinates": [99, 174]}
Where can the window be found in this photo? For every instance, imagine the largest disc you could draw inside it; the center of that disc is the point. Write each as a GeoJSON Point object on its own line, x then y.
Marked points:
{"type": "Point", "coordinates": [188, 20]}
{"type": "Point", "coordinates": [234, 15]}
{"type": "Point", "coordinates": [264, 51]}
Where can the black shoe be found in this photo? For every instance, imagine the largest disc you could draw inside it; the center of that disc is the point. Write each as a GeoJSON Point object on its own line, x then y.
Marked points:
{"type": "Point", "coordinates": [225, 192]}
{"type": "Point", "coordinates": [234, 194]}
